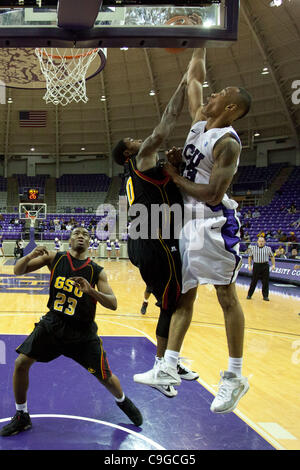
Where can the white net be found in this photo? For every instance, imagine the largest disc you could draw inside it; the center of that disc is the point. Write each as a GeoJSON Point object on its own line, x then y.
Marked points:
{"type": "Point", "coordinates": [65, 72]}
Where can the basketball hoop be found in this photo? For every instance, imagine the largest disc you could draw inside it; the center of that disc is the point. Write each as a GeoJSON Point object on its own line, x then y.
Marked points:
{"type": "Point", "coordinates": [32, 220]}
{"type": "Point", "coordinates": [65, 72]}
{"type": "Point", "coordinates": [29, 215]}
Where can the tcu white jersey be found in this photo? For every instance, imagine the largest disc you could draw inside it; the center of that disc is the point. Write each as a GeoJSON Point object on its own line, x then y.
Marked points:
{"type": "Point", "coordinates": [198, 157]}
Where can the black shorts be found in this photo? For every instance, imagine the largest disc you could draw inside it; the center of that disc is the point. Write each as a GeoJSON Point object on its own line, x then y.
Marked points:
{"type": "Point", "coordinates": [160, 267]}
{"type": "Point", "coordinates": [54, 336]}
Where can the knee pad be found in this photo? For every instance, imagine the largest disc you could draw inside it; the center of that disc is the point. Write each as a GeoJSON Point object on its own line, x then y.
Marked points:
{"type": "Point", "coordinates": [163, 324]}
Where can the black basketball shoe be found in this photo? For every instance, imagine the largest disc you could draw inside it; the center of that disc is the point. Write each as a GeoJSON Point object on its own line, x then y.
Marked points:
{"type": "Point", "coordinates": [131, 411]}
{"type": "Point", "coordinates": [20, 422]}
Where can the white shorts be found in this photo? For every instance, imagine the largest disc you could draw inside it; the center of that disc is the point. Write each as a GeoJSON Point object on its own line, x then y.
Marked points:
{"type": "Point", "coordinates": [209, 250]}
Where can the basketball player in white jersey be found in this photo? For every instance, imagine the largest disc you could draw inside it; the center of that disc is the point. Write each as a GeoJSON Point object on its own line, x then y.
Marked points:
{"type": "Point", "coordinates": [209, 244]}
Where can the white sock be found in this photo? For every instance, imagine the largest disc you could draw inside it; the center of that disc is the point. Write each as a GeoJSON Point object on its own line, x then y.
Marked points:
{"type": "Point", "coordinates": [235, 365]}
{"type": "Point", "coordinates": [146, 300]}
{"type": "Point", "coordinates": [171, 358]}
{"type": "Point", "coordinates": [22, 407]}
{"type": "Point", "coordinates": [119, 400]}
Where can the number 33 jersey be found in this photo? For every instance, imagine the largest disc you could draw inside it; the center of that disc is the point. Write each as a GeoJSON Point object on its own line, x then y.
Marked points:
{"type": "Point", "coordinates": [65, 298]}
{"type": "Point", "coordinates": [198, 157]}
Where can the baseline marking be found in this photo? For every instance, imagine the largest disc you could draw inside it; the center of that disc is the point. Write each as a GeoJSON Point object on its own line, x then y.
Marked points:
{"type": "Point", "coordinates": [98, 421]}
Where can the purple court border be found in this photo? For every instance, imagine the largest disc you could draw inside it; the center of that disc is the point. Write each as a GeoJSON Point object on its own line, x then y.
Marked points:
{"type": "Point", "coordinates": [62, 387]}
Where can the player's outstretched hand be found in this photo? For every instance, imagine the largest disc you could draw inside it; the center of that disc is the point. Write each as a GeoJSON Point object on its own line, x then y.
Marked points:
{"type": "Point", "coordinates": [195, 19]}
{"type": "Point", "coordinates": [82, 284]}
{"type": "Point", "coordinates": [38, 251]}
{"type": "Point", "coordinates": [174, 156]}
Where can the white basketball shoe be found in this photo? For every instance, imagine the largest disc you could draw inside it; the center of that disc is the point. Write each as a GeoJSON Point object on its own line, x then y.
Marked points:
{"type": "Point", "coordinates": [231, 390]}
{"type": "Point", "coordinates": [161, 374]}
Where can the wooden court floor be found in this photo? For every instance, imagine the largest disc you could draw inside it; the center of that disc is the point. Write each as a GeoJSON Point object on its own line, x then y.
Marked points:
{"type": "Point", "coordinates": [271, 353]}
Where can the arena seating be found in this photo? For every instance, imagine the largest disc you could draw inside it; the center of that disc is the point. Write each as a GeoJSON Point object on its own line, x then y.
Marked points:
{"type": "Point", "coordinates": [255, 179]}
{"type": "Point", "coordinates": [81, 192]}
{"type": "Point", "coordinates": [275, 215]}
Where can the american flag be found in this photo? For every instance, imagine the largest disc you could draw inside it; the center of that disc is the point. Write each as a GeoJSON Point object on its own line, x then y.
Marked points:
{"type": "Point", "coordinates": [32, 118]}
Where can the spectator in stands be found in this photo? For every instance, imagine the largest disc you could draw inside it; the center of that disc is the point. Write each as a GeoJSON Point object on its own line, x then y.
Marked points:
{"type": "Point", "coordinates": [51, 225]}
{"type": "Point", "coordinates": [1, 218]}
{"type": "Point", "coordinates": [12, 221]}
{"type": "Point", "coordinates": [268, 235]}
{"type": "Point", "coordinates": [280, 236]}
{"type": "Point", "coordinates": [280, 252]}
{"type": "Point", "coordinates": [255, 214]}
{"type": "Point", "coordinates": [283, 237]}
{"type": "Point", "coordinates": [56, 225]}
{"type": "Point", "coordinates": [261, 234]}
{"type": "Point", "coordinates": [294, 254]}
{"type": "Point", "coordinates": [248, 215]}
{"type": "Point", "coordinates": [69, 226]}
{"type": "Point", "coordinates": [292, 241]}
{"type": "Point", "coordinates": [16, 222]}
{"type": "Point", "coordinates": [246, 237]}
{"type": "Point", "coordinates": [277, 234]}
{"type": "Point", "coordinates": [292, 209]}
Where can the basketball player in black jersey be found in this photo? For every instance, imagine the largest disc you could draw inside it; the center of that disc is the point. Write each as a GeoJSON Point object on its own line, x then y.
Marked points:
{"type": "Point", "coordinates": [157, 257]}
{"type": "Point", "coordinates": [68, 328]}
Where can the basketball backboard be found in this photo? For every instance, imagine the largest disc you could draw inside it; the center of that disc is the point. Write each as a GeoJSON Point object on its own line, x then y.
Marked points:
{"type": "Point", "coordinates": [119, 23]}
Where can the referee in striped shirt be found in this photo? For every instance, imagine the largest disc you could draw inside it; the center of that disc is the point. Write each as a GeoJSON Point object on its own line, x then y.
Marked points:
{"type": "Point", "coordinates": [260, 254]}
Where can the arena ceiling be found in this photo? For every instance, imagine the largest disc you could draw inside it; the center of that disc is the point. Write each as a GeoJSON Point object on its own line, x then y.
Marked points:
{"type": "Point", "coordinates": [269, 41]}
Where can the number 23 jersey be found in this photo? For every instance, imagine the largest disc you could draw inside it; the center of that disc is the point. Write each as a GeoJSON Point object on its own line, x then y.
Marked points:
{"type": "Point", "coordinates": [65, 298]}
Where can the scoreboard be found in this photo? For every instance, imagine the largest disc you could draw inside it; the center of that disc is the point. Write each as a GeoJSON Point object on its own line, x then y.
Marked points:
{"type": "Point", "coordinates": [33, 194]}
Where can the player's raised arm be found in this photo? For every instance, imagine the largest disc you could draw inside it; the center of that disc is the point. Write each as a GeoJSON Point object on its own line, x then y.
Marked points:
{"type": "Point", "coordinates": [196, 75]}
{"type": "Point", "coordinates": [168, 121]}
{"type": "Point", "coordinates": [35, 260]}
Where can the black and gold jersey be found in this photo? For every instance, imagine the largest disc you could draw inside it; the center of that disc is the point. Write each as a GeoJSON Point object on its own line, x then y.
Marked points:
{"type": "Point", "coordinates": [67, 300]}
{"type": "Point", "coordinates": [152, 189]}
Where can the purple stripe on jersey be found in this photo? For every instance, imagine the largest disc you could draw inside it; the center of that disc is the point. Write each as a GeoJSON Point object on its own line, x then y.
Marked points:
{"type": "Point", "coordinates": [230, 236]}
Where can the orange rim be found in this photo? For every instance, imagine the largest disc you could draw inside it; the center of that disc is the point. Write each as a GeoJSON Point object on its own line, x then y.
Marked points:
{"type": "Point", "coordinates": [177, 18]}
{"type": "Point", "coordinates": [68, 57]}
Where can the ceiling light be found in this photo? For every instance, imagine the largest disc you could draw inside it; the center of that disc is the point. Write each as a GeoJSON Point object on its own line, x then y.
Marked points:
{"type": "Point", "coordinates": [152, 93]}
{"type": "Point", "coordinates": [124, 48]}
{"type": "Point", "coordinates": [103, 98]}
{"type": "Point", "coordinates": [32, 149]}
{"type": "Point", "coordinates": [276, 3]}
{"type": "Point", "coordinates": [205, 85]}
{"type": "Point", "coordinates": [9, 100]}
{"type": "Point", "coordinates": [265, 71]}
{"type": "Point", "coordinates": [257, 134]}
{"type": "Point", "coordinates": [82, 148]}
